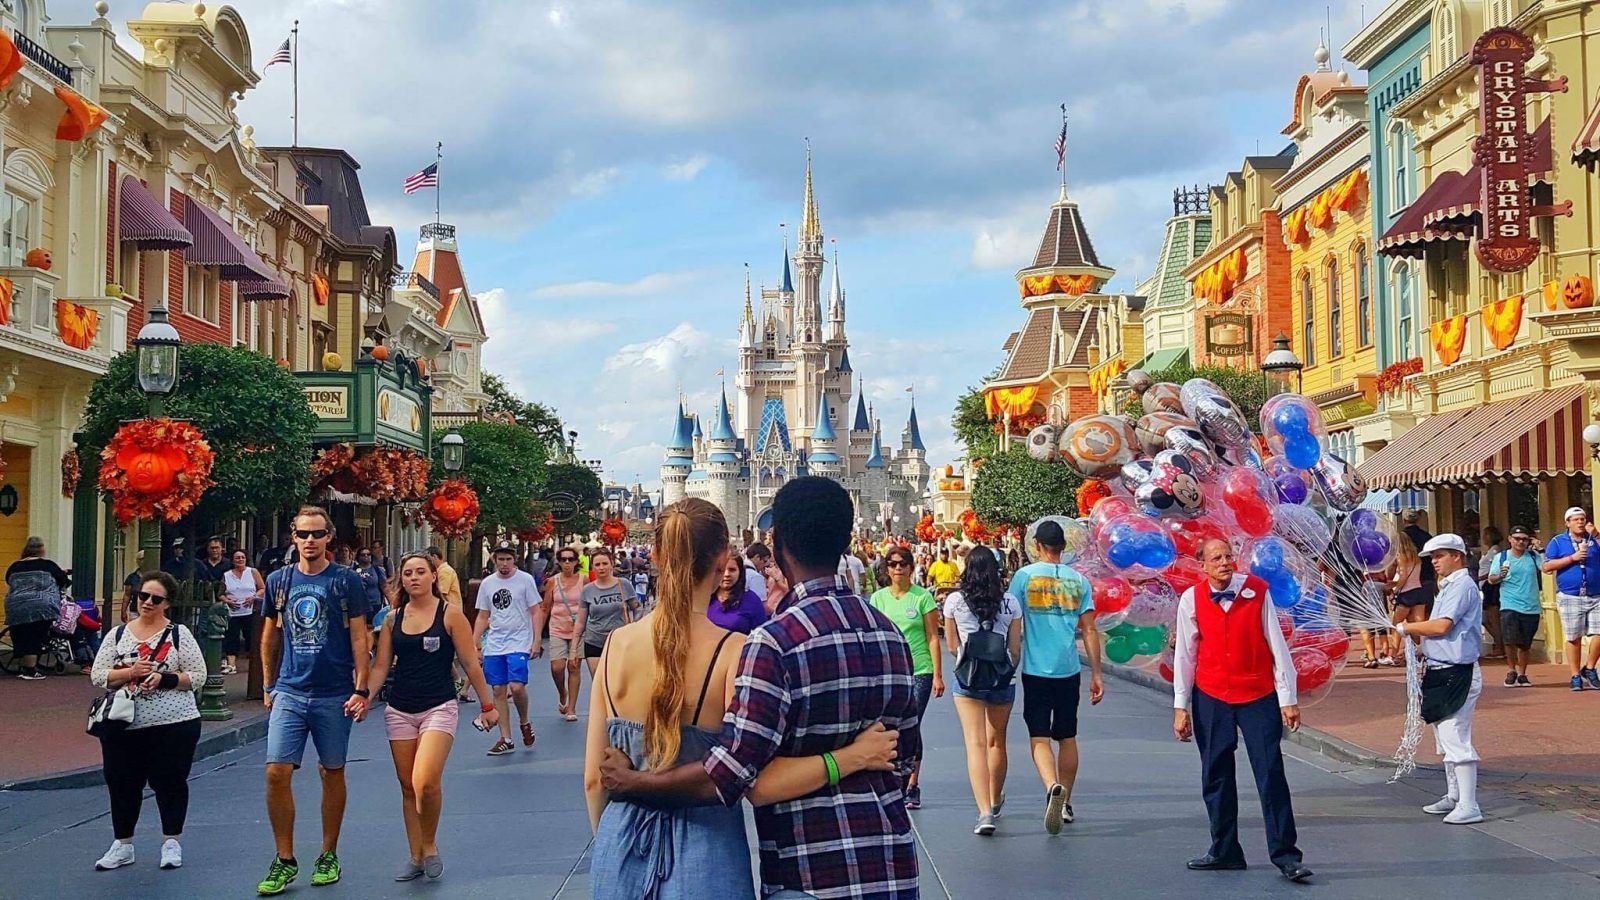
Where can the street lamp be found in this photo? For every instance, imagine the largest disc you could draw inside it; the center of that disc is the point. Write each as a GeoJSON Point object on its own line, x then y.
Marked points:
{"type": "Point", "coordinates": [455, 452]}
{"type": "Point", "coordinates": [1280, 364]}
{"type": "Point", "coordinates": [157, 346]}
{"type": "Point", "coordinates": [1591, 436]}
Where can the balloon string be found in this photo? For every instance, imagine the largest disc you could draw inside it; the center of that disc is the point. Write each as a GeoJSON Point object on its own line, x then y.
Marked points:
{"type": "Point", "coordinates": [1411, 736]}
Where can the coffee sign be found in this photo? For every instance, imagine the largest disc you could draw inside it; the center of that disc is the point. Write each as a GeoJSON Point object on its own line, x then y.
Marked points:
{"type": "Point", "coordinates": [1505, 234]}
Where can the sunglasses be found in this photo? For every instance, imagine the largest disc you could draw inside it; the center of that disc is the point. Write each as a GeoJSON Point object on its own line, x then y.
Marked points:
{"type": "Point", "coordinates": [147, 597]}
{"type": "Point", "coordinates": [898, 564]}
{"type": "Point", "coordinates": [566, 559]}
{"type": "Point", "coordinates": [311, 534]}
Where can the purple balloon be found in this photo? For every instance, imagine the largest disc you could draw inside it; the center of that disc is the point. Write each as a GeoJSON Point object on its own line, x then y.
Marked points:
{"type": "Point", "coordinates": [1363, 520]}
{"type": "Point", "coordinates": [1291, 487]}
{"type": "Point", "coordinates": [1368, 548]}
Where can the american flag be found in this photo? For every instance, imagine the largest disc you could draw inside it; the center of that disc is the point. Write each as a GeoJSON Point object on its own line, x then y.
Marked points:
{"type": "Point", "coordinates": [1061, 140]}
{"type": "Point", "coordinates": [428, 177]}
{"type": "Point", "coordinates": [282, 55]}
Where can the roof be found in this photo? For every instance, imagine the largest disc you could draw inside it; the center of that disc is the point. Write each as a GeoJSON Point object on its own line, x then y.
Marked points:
{"type": "Point", "coordinates": [844, 360]}
{"type": "Point", "coordinates": [443, 268]}
{"type": "Point", "coordinates": [824, 456]}
{"type": "Point", "coordinates": [1162, 360]}
{"type": "Point", "coordinates": [1011, 341]}
{"type": "Point", "coordinates": [1065, 242]}
{"type": "Point", "coordinates": [773, 422]}
{"type": "Point", "coordinates": [1030, 353]}
{"type": "Point", "coordinates": [722, 429]}
{"type": "Point", "coordinates": [862, 423]}
{"type": "Point", "coordinates": [875, 461]}
{"type": "Point", "coordinates": [913, 430]}
{"type": "Point", "coordinates": [329, 178]}
{"type": "Point", "coordinates": [1528, 437]}
{"type": "Point", "coordinates": [824, 430]}
{"type": "Point", "coordinates": [788, 282]}
{"type": "Point", "coordinates": [1187, 237]}
{"type": "Point", "coordinates": [680, 431]}
{"type": "Point", "coordinates": [1410, 233]}
{"type": "Point", "coordinates": [1586, 146]}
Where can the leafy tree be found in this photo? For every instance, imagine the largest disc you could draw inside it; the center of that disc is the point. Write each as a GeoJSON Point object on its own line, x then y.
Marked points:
{"type": "Point", "coordinates": [251, 410]}
{"type": "Point", "coordinates": [1013, 488]}
{"type": "Point", "coordinates": [1247, 388]}
{"type": "Point", "coordinates": [505, 464]}
{"type": "Point", "coordinates": [536, 417]}
{"type": "Point", "coordinates": [973, 427]}
{"type": "Point", "coordinates": [583, 486]}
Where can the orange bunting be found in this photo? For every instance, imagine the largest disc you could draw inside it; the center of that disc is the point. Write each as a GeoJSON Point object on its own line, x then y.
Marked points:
{"type": "Point", "coordinates": [1215, 284]}
{"type": "Point", "coordinates": [1502, 320]}
{"type": "Point", "coordinates": [1294, 228]}
{"type": "Point", "coordinates": [1071, 285]}
{"type": "Point", "coordinates": [76, 324]}
{"type": "Point", "coordinates": [1552, 294]}
{"type": "Point", "coordinates": [1449, 337]}
{"type": "Point", "coordinates": [11, 60]}
{"type": "Point", "coordinates": [1349, 192]}
{"type": "Point", "coordinates": [7, 287]}
{"type": "Point", "coordinates": [1016, 401]}
{"type": "Point", "coordinates": [1319, 214]}
{"type": "Point", "coordinates": [81, 117]}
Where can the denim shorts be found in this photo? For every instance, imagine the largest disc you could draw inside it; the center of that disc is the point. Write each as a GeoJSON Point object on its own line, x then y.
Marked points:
{"type": "Point", "coordinates": [999, 697]}
{"type": "Point", "coordinates": [295, 717]}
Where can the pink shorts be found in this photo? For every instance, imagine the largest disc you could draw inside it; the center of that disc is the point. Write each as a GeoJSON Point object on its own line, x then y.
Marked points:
{"type": "Point", "coordinates": [404, 726]}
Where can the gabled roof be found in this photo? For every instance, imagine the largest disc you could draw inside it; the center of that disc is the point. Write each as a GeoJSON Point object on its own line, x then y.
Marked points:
{"type": "Point", "coordinates": [774, 425]}
{"type": "Point", "coordinates": [1187, 237]}
{"type": "Point", "coordinates": [1035, 352]}
{"type": "Point", "coordinates": [443, 268]}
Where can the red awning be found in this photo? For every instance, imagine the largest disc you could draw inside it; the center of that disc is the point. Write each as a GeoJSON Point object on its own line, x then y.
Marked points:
{"type": "Point", "coordinates": [269, 289]}
{"type": "Point", "coordinates": [1541, 157]}
{"type": "Point", "coordinates": [1586, 147]}
{"type": "Point", "coordinates": [1455, 204]}
{"type": "Point", "coordinates": [144, 222]}
{"type": "Point", "coordinates": [1411, 233]}
{"type": "Point", "coordinates": [215, 244]}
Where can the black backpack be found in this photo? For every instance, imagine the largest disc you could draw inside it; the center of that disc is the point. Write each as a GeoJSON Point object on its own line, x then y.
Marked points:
{"type": "Point", "coordinates": [985, 663]}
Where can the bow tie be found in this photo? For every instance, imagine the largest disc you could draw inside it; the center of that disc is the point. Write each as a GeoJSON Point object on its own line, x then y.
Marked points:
{"type": "Point", "coordinates": [1222, 596]}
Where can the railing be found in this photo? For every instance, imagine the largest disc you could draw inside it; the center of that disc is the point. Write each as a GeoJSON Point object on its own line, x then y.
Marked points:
{"type": "Point", "coordinates": [439, 230]}
{"type": "Point", "coordinates": [44, 58]}
{"type": "Point", "coordinates": [416, 280]}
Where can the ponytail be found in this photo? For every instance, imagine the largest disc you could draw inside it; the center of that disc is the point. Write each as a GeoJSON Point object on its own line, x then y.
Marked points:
{"type": "Point", "coordinates": [690, 537]}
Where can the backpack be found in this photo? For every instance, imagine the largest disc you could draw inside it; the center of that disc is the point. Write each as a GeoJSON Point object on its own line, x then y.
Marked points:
{"type": "Point", "coordinates": [985, 663]}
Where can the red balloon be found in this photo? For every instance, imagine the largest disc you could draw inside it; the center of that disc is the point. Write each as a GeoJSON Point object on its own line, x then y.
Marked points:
{"type": "Point", "coordinates": [1166, 672]}
{"type": "Point", "coordinates": [1286, 625]}
{"type": "Point", "coordinates": [1312, 668]}
{"type": "Point", "coordinates": [1188, 534]}
{"type": "Point", "coordinates": [1331, 641]}
{"type": "Point", "coordinates": [1112, 593]}
{"type": "Point", "coordinates": [1106, 510]}
{"type": "Point", "coordinates": [1184, 573]}
{"type": "Point", "coordinates": [1241, 492]}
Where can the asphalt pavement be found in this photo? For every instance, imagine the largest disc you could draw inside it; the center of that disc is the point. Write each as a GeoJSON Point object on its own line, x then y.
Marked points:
{"type": "Point", "coordinates": [515, 826]}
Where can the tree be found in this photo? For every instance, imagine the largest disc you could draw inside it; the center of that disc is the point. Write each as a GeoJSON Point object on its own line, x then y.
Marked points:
{"type": "Point", "coordinates": [1013, 488]}
{"type": "Point", "coordinates": [251, 410]}
{"type": "Point", "coordinates": [973, 427]}
{"type": "Point", "coordinates": [505, 464]}
{"type": "Point", "coordinates": [536, 417]}
{"type": "Point", "coordinates": [1247, 388]}
{"type": "Point", "coordinates": [583, 487]}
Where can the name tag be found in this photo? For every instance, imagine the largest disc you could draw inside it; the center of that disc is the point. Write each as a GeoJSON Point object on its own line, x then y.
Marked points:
{"type": "Point", "coordinates": [1248, 593]}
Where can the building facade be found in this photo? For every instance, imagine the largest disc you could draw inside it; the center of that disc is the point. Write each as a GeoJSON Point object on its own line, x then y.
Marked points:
{"type": "Point", "coordinates": [791, 410]}
{"type": "Point", "coordinates": [1168, 318]}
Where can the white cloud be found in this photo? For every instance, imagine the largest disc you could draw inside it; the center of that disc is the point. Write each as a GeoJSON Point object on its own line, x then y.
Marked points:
{"type": "Point", "coordinates": [687, 169]}
{"type": "Point", "coordinates": [654, 283]}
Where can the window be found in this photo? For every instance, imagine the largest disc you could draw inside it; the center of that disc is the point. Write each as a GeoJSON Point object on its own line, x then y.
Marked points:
{"type": "Point", "coordinates": [1405, 302]}
{"type": "Point", "coordinates": [1444, 25]}
{"type": "Point", "coordinates": [202, 299]}
{"type": "Point", "coordinates": [1499, 12]}
{"type": "Point", "coordinates": [1308, 308]}
{"type": "Point", "coordinates": [1363, 298]}
{"type": "Point", "coordinates": [1399, 156]}
{"type": "Point", "coordinates": [16, 228]}
{"type": "Point", "coordinates": [1335, 311]}
{"type": "Point", "coordinates": [25, 18]}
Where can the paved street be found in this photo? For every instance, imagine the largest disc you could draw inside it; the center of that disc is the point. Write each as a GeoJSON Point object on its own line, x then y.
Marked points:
{"type": "Point", "coordinates": [515, 826]}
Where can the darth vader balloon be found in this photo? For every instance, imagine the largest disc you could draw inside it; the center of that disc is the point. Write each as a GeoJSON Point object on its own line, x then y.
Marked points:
{"type": "Point", "coordinates": [1136, 473]}
{"type": "Point", "coordinates": [1044, 443]}
{"type": "Point", "coordinates": [1171, 489]}
{"type": "Point", "coordinates": [1219, 418]}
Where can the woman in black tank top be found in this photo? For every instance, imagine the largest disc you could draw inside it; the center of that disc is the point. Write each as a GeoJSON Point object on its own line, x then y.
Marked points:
{"type": "Point", "coordinates": [421, 640]}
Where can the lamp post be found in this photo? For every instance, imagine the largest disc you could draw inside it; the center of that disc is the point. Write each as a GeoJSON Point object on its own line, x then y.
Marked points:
{"type": "Point", "coordinates": [454, 450]}
{"type": "Point", "coordinates": [157, 346]}
{"type": "Point", "coordinates": [1280, 365]}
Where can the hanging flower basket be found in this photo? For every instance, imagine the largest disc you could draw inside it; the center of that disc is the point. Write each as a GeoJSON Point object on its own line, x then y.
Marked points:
{"type": "Point", "coordinates": [155, 468]}
{"type": "Point", "coordinates": [545, 527]}
{"type": "Point", "coordinates": [71, 473]}
{"type": "Point", "coordinates": [452, 509]}
{"type": "Point", "coordinates": [1393, 378]}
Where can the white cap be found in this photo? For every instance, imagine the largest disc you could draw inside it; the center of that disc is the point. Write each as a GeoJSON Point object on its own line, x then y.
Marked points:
{"type": "Point", "coordinates": [1444, 542]}
{"type": "Point", "coordinates": [1575, 511]}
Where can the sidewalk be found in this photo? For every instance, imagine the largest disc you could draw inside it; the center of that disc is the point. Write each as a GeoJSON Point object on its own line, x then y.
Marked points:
{"type": "Point", "coordinates": [41, 726]}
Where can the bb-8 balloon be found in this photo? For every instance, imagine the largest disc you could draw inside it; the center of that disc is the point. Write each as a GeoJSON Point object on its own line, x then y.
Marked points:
{"type": "Point", "coordinates": [1098, 446]}
{"type": "Point", "coordinates": [1044, 443]}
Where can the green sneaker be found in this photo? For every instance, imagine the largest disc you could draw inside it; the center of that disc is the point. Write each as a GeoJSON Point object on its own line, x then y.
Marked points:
{"type": "Point", "coordinates": [278, 877]}
{"type": "Point", "coordinates": [327, 870]}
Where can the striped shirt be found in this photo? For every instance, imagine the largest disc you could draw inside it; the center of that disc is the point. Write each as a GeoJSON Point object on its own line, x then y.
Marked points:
{"type": "Point", "coordinates": [821, 672]}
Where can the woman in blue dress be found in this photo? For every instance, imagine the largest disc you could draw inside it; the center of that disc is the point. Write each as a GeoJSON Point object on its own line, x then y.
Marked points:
{"type": "Point", "coordinates": [660, 693]}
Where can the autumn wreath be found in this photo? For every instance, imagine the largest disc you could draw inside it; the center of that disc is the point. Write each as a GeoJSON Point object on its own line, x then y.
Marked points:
{"type": "Point", "coordinates": [155, 467]}
{"type": "Point", "coordinates": [613, 531]}
{"type": "Point", "coordinates": [926, 533]}
{"type": "Point", "coordinates": [452, 509]}
{"type": "Point", "coordinates": [331, 466]}
{"type": "Point", "coordinates": [391, 474]}
{"type": "Point", "coordinates": [71, 472]}
{"type": "Point", "coordinates": [545, 527]}
{"type": "Point", "coordinates": [1090, 493]}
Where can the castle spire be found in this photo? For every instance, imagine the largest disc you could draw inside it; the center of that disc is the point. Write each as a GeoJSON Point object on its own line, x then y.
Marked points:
{"type": "Point", "coordinates": [788, 281]}
{"type": "Point", "coordinates": [912, 431]}
{"type": "Point", "coordinates": [810, 225]}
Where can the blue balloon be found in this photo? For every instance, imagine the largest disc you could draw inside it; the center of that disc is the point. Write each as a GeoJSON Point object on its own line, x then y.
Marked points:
{"type": "Point", "coordinates": [1302, 450]}
{"type": "Point", "coordinates": [1285, 590]}
{"type": "Point", "coordinates": [1291, 418]}
{"type": "Point", "coordinates": [1363, 520]}
{"type": "Point", "coordinates": [1155, 550]}
{"type": "Point", "coordinates": [1121, 547]}
{"type": "Point", "coordinates": [1291, 488]}
{"type": "Point", "coordinates": [1266, 559]}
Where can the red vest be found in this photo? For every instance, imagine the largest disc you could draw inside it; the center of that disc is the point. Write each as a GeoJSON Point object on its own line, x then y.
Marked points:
{"type": "Point", "coordinates": [1233, 661]}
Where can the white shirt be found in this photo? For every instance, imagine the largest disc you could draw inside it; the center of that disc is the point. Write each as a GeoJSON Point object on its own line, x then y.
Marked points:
{"type": "Point", "coordinates": [957, 611]}
{"type": "Point", "coordinates": [755, 581]}
{"type": "Point", "coordinates": [507, 601]}
{"type": "Point", "coordinates": [852, 569]}
{"type": "Point", "coordinates": [1183, 657]}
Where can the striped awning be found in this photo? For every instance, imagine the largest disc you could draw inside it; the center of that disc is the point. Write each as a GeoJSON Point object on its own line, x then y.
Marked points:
{"type": "Point", "coordinates": [1411, 232]}
{"type": "Point", "coordinates": [270, 289]}
{"type": "Point", "coordinates": [216, 244]}
{"type": "Point", "coordinates": [144, 222]}
{"type": "Point", "coordinates": [1586, 146]}
{"type": "Point", "coordinates": [1512, 440]}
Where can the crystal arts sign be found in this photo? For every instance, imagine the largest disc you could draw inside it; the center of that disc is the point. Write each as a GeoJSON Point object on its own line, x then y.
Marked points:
{"type": "Point", "coordinates": [1506, 242]}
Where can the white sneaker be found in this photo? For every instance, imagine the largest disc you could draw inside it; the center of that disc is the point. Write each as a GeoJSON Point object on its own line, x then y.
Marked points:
{"type": "Point", "coordinates": [118, 856]}
{"type": "Point", "coordinates": [171, 854]}
{"type": "Point", "coordinates": [1464, 815]}
{"type": "Point", "coordinates": [1441, 807]}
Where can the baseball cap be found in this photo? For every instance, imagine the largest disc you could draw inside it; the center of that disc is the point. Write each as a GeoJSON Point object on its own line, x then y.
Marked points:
{"type": "Point", "coordinates": [1574, 511]}
{"type": "Point", "coordinates": [1444, 542]}
{"type": "Point", "coordinates": [505, 547]}
{"type": "Point", "coordinates": [1049, 534]}
{"type": "Point", "coordinates": [1521, 531]}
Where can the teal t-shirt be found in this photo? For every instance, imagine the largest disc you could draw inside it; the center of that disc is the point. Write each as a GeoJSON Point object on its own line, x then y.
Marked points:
{"type": "Point", "coordinates": [1519, 589]}
{"type": "Point", "coordinates": [1052, 597]}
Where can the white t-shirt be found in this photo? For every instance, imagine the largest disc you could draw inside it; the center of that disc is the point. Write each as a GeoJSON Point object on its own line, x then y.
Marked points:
{"type": "Point", "coordinates": [507, 601]}
{"type": "Point", "coordinates": [851, 569]}
{"type": "Point", "coordinates": [955, 610]}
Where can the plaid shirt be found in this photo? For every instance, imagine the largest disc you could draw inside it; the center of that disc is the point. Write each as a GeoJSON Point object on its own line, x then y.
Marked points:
{"type": "Point", "coordinates": [809, 681]}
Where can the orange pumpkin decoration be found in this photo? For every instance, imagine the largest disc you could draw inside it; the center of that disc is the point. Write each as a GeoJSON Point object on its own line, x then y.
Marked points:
{"type": "Point", "coordinates": [380, 353]}
{"type": "Point", "coordinates": [155, 468]}
{"type": "Point", "coordinates": [449, 509]}
{"type": "Point", "coordinates": [151, 472]}
{"type": "Point", "coordinates": [38, 258]}
{"type": "Point", "coordinates": [613, 531]}
{"type": "Point", "coordinates": [1552, 294]}
{"type": "Point", "coordinates": [1577, 292]}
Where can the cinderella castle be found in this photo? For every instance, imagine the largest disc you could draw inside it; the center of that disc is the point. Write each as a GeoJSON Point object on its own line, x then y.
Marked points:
{"type": "Point", "coordinates": [791, 411]}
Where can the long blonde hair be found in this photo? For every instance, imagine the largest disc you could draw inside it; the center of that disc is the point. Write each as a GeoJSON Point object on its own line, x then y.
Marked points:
{"type": "Point", "coordinates": [691, 536]}
{"type": "Point", "coordinates": [1407, 558]}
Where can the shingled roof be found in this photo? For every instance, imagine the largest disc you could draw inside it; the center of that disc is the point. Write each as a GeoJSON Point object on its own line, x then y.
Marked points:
{"type": "Point", "coordinates": [1033, 352]}
{"type": "Point", "coordinates": [1065, 243]}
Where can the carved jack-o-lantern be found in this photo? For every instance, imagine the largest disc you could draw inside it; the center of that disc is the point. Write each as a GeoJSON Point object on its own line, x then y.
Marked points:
{"type": "Point", "coordinates": [38, 258]}
{"type": "Point", "coordinates": [151, 472]}
{"type": "Point", "coordinates": [449, 508]}
{"type": "Point", "coordinates": [1577, 292]}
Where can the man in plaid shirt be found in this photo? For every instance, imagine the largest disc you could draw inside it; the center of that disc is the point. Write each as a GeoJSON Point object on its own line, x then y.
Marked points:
{"type": "Point", "coordinates": [826, 668]}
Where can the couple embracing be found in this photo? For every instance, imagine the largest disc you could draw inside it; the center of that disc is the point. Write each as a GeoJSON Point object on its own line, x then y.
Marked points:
{"type": "Point", "coordinates": [812, 718]}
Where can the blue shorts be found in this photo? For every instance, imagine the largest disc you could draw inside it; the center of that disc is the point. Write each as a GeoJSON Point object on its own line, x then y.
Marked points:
{"type": "Point", "coordinates": [999, 697]}
{"type": "Point", "coordinates": [295, 717]}
{"type": "Point", "coordinates": [504, 668]}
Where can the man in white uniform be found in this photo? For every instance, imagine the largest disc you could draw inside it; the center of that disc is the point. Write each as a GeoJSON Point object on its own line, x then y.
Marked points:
{"type": "Point", "coordinates": [510, 620]}
{"type": "Point", "coordinates": [1451, 642]}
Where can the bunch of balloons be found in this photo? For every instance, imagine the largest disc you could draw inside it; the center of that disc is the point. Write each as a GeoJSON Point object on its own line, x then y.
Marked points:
{"type": "Point", "coordinates": [1190, 470]}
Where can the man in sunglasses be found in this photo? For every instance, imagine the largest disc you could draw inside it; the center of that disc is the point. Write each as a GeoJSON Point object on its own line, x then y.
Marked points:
{"type": "Point", "coordinates": [314, 667]}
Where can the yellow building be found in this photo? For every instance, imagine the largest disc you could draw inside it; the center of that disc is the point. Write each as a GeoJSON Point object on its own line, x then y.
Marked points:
{"type": "Point", "coordinates": [1328, 228]}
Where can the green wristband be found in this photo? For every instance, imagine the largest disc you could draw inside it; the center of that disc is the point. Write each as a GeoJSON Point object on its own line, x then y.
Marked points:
{"type": "Point", "coordinates": [833, 769]}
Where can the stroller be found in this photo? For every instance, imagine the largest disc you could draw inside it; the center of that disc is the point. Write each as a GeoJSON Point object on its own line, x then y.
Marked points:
{"type": "Point", "coordinates": [64, 644]}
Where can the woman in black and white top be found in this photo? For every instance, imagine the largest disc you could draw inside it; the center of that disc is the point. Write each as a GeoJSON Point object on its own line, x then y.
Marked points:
{"type": "Point", "coordinates": [983, 603]}
{"type": "Point", "coordinates": [163, 665]}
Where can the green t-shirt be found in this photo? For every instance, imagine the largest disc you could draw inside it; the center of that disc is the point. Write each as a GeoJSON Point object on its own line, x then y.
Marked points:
{"type": "Point", "coordinates": [907, 612]}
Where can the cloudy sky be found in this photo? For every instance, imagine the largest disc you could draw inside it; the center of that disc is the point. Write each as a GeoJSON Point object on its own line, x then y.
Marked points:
{"type": "Point", "coordinates": [613, 165]}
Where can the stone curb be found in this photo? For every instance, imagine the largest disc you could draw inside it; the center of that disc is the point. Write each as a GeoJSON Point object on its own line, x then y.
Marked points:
{"type": "Point", "coordinates": [220, 740]}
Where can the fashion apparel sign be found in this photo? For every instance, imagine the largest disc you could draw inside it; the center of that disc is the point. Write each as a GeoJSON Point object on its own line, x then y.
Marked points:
{"type": "Point", "coordinates": [329, 402]}
{"type": "Point", "coordinates": [1505, 234]}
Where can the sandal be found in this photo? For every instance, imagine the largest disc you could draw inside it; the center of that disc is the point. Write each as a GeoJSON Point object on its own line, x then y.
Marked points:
{"type": "Point", "coordinates": [571, 717]}
{"type": "Point", "coordinates": [527, 734]}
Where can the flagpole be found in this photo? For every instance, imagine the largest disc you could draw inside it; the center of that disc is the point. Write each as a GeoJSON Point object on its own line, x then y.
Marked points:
{"type": "Point", "coordinates": [1063, 149]}
{"type": "Point", "coordinates": [294, 68]}
{"type": "Point", "coordinates": [438, 166]}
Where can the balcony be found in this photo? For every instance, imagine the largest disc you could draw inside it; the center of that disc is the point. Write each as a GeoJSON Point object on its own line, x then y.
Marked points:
{"type": "Point", "coordinates": [44, 58]}
{"type": "Point", "coordinates": [438, 231]}
{"type": "Point", "coordinates": [34, 328]}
